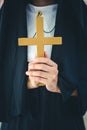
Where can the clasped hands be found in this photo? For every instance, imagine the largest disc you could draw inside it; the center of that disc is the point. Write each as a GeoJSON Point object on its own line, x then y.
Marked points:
{"type": "Point", "coordinates": [43, 70]}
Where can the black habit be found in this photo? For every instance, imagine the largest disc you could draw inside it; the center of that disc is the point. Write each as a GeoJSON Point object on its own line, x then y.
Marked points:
{"type": "Point", "coordinates": [39, 109]}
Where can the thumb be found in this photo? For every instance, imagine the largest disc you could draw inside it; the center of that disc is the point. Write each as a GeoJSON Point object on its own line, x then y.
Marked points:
{"type": "Point", "coordinates": [46, 55]}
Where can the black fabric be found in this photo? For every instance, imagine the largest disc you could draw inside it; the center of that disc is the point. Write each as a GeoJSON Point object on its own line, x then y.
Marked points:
{"type": "Point", "coordinates": [83, 58]}
{"type": "Point", "coordinates": [13, 59]}
{"type": "Point", "coordinates": [48, 112]}
{"type": "Point", "coordinates": [0, 13]}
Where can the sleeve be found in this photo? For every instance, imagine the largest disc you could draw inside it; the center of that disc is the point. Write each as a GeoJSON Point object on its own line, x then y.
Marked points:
{"type": "Point", "coordinates": [33, 101]}
{"type": "Point", "coordinates": [83, 57]}
{"type": "Point", "coordinates": [65, 88]}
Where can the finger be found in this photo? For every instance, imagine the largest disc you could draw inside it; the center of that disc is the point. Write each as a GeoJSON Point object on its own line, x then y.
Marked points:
{"type": "Point", "coordinates": [46, 55]}
{"type": "Point", "coordinates": [41, 74]}
{"type": "Point", "coordinates": [37, 80]}
{"type": "Point", "coordinates": [27, 73]}
{"type": "Point", "coordinates": [42, 67]}
{"type": "Point", "coordinates": [51, 75]}
{"type": "Point", "coordinates": [34, 81]}
{"type": "Point", "coordinates": [43, 60]}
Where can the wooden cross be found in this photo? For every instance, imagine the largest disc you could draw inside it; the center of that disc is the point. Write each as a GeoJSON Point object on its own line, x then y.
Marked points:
{"type": "Point", "coordinates": [40, 40]}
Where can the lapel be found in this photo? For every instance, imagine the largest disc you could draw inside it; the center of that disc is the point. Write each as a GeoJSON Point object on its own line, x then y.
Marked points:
{"type": "Point", "coordinates": [12, 58]}
{"type": "Point", "coordinates": [57, 34]}
{"type": "Point", "coordinates": [67, 11]}
{"type": "Point", "coordinates": [19, 81]}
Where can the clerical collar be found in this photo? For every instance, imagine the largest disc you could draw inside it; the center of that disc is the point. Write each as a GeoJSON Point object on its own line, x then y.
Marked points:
{"type": "Point", "coordinates": [44, 9]}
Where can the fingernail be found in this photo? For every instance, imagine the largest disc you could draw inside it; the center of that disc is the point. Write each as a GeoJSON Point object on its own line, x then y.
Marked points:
{"type": "Point", "coordinates": [26, 73]}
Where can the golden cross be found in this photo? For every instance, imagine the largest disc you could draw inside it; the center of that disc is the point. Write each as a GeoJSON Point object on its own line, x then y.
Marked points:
{"type": "Point", "coordinates": [40, 40]}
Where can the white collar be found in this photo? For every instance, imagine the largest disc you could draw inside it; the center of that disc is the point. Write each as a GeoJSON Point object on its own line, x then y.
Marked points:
{"type": "Point", "coordinates": [45, 9]}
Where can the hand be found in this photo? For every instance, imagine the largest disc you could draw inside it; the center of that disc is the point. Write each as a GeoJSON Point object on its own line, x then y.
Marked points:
{"type": "Point", "coordinates": [43, 70]}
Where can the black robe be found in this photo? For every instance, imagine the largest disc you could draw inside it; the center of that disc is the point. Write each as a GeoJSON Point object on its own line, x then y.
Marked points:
{"type": "Point", "coordinates": [15, 99]}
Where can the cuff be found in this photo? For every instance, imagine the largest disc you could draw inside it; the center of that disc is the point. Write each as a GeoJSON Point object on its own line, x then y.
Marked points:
{"type": "Point", "coordinates": [66, 88]}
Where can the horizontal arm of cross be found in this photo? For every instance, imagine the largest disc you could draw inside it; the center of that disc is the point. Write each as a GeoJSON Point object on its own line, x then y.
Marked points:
{"type": "Point", "coordinates": [27, 41]}
{"type": "Point", "coordinates": [53, 41]}
{"type": "Point", "coordinates": [35, 41]}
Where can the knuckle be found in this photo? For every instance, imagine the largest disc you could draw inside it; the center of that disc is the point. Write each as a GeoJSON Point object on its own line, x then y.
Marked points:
{"type": "Point", "coordinates": [47, 60]}
{"type": "Point", "coordinates": [56, 65]}
{"type": "Point", "coordinates": [57, 72]}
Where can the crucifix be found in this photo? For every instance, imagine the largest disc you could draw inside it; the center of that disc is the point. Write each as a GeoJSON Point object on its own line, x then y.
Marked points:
{"type": "Point", "coordinates": [40, 40]}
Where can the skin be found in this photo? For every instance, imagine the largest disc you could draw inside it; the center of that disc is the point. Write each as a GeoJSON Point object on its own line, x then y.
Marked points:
{"type": "Point", "coordinates": [42, 2]}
